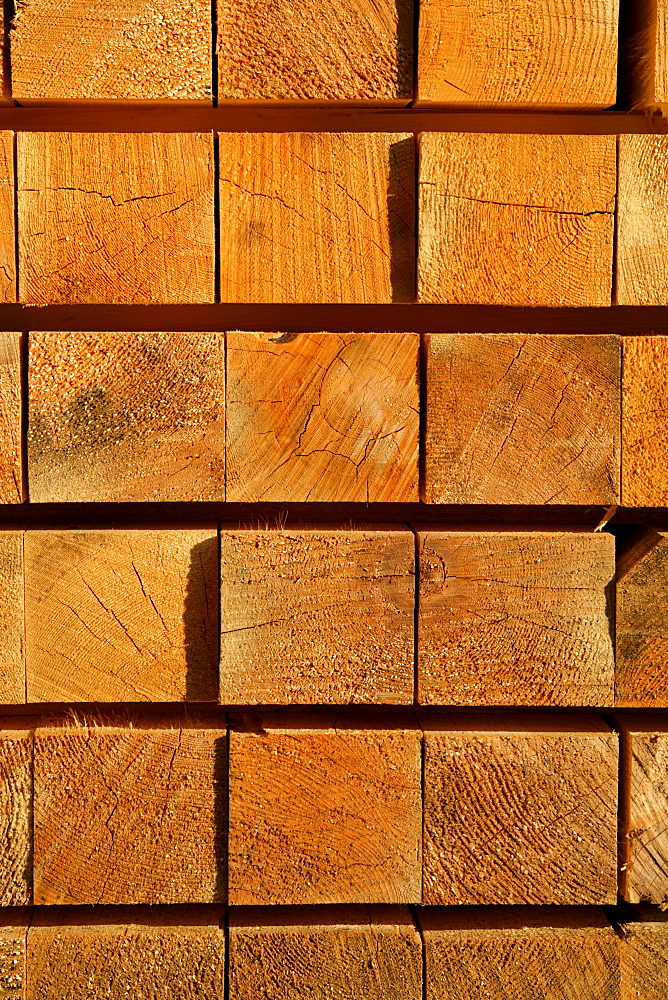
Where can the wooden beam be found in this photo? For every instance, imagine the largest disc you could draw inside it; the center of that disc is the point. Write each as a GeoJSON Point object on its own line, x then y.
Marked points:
{"type": "Point", "coordinates": [13, 933]}
{"type": "Point", "coordinates": [645, 422]}
{"type": "Point", "coordinates": [511, 954]}
{"type": "Point", "coordinates": [116, 952]}
{"type": "Point", "coordinates": [519, 418]}
{"type": "Point", "coordinates": [317, 617]}
{"type": "Point", "coordinates": [322, 417]}
{"type": "Point", "coordinates": [516, 618]}
{"type": "Point", "coordinates": [372, 952]}
{"type": "Point", "coordinates": [513, 815]}
{"type": "Point", "coordinates": [642, 274]}
{"type": "Point", "coordinates": [117, 417]}
{"type": "Point", "coordinates": [646, 838]}
{"type": "Point", "coordinates": [134, 612]}
{"type": "Point", "coordinates": [324, 53]}
{"type": "Point", "coordinates": [644, 952]}
{"type": "Point", "coordinates": [551, 54]}
{"type": "Point", "coordinates": [317, 217]}
{"type": "Point", "coordinates": [109, 51]}
{"type": "Point", "coordinates": [125, 815]}
{"type": "Point", "coordinates": [90, 233]}
{"type": "Point", "coordinates": [324, 815]}
{"type": "Point", "coordinates": [16, 763]}
{"type": "Point", "coordinates": [516, 220]}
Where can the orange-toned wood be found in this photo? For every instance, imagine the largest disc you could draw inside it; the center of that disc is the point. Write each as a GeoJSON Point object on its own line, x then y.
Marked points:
{"type": "Point", "coordinates": [317, 617]}
{"type": "Point", "coordinates": [516, 816]}
{"type": "Point", "coordinates": [642, 272]}
{"type": "Point", "coordinates": [129, 815]}
{"type": "Point", "coordinates": [516, 618]}
{"type": "Point", "coordinates": [126, 417]}
{"type": "Point", "coordinates": [16, 756]}
{"type": "Point", "coordinates": [11, 465]}
{"type": "Point", "coordinates": [125, 615]}
{"type": "Point", "coordinates": [317, 217]}
{"type": "Point", "coordinates": [641, 629]}
{"type": "Point", "coordinates": [645, 422]}
{"type": "Point", "coordinates": [343, 52]}
{"type": "Point", "coordinates": [116, 952]}
{"type": "Point", "coordinates": [7, 227]}
{"type": "Point", "coordinates": [108, 50]}
{"type": "Point", "coordinates": [12, 663]}
{"type": "Point", "coordinates": [552, 53]}
{"type": "Point", "coordinates": [91, 232]}
{"type": "Point", "coordinates": [644, 952]}
{"type": "Point", "coordinates": [324, 816]}
{"type": "Point", "coordinates": [524, 220]}
{"type": "Point", "coordinates": [13, 933]}
{"type": "Point", "coordinates": [646, 878]}
{"type": "Point", "coordinates": [513, 954]}
{"type": "Point", "coordinates": [522, 418]}
{"type": "Point", "coordinates": [347, 952]}
{"type": "Point", "coordinates": [322, 417]}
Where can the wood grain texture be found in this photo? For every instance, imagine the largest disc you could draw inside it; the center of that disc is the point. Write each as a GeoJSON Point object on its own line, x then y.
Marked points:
{"type": "Point", "coordinates": [317, 617]}
{"type": "Point", "coordinates": [324, 817]}
{"type": "Point", "coordinates": [645, 422]}
{"type": "Point", "coordinates": [120, 417]}
{"type": "Point", "coordinates": [128, 816]}
{"type": "Point", "coordinates": [12, 669]}
{"type": "Point", "coordinates": [642, 273]}
{"type": "Point", "coordinates": [641, 679]}
{"type": "Point", "coordinates": [125, 615]}
{"type": "Point", "coordinates": [661, 51]}
{"type": "Point", "coordinates": [322, 417]}
{"type": "Point", "coordinates": [647, 836]}
{"type": "Point", "coordinates": [13, 933]}
{"type": "Point", "coordinates": [11, 464]}
{"type": "Point", "coordinates": [520, 817]}
{"type": "Point", "coordinates": [644, 954]}
{"type": "Point", "coordinates": [120, 952]}
{"type": "Point", "coordinates": [516, 618]}
{"type": "Point", "coordinates": [324, 952]}
{"type": "Point", "coordinates": [107, 217]}
{"type": "Point", "coordinates": [16, 757]}
{"type": "Point", "coordinates": [523, 220]}
{"type": "Point", "coordinates": [524, 954]}
{"type": "Point", "coordinates": [317, 217]}
{"type": "Point", "coordinates": [7, 226]}
{"type": "Point", "coordinates": [524, 419]}
{"type": "Point", "coordinates": [357, 50]}
{"type": "Point", "coordinates": [107, 50]}
{"type": "Point", "coordinates": [554, 53]}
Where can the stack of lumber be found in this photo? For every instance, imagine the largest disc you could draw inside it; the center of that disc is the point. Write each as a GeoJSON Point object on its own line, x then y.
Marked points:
{"type": "Point", "coordinates": [334, 500]}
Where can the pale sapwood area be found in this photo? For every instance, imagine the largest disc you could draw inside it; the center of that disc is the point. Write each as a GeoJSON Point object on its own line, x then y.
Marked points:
{"type": "Point", "coordinates": [642, 272]}
{"type": "Point", "coordinates": [515, 816]}
{"type": "Point", "coordinates": [126, 417]}
{"type": "Point", "coordinates": [317, 617]}
{"type": "Point", "coordinates": [522, 418]}
{"type": "Point", "coordinates": [322, 417]}
{"type": "Point", "coordinates": [524, 220]}
{"type": "Point", "coordinates": [324, 815]}
{"type": "Point", "coordinates": [115, 217]}
{"type": "Point", "coordinates": [150, 50]}
{"type": "Point", "coordinates": [516, 618]}
{"type": "Point", "coordinates": [317, 217]}
{"type": "Point", "coordinates": [519, 53]}
{"type": "Point", "coordinates": [644, 848]}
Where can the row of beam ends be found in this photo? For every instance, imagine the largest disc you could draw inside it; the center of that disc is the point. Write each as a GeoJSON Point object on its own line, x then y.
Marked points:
{"type": "Point", "coordinates": [556, 54]}
{"type": "Point", "coordinates": [299, 217]}
{"type": "Point", "coordinates": [332, 418]}
{"type": "Point", "coordinates": [332, 617]}
{"type": "Point", "coordinates": [371, 952]}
